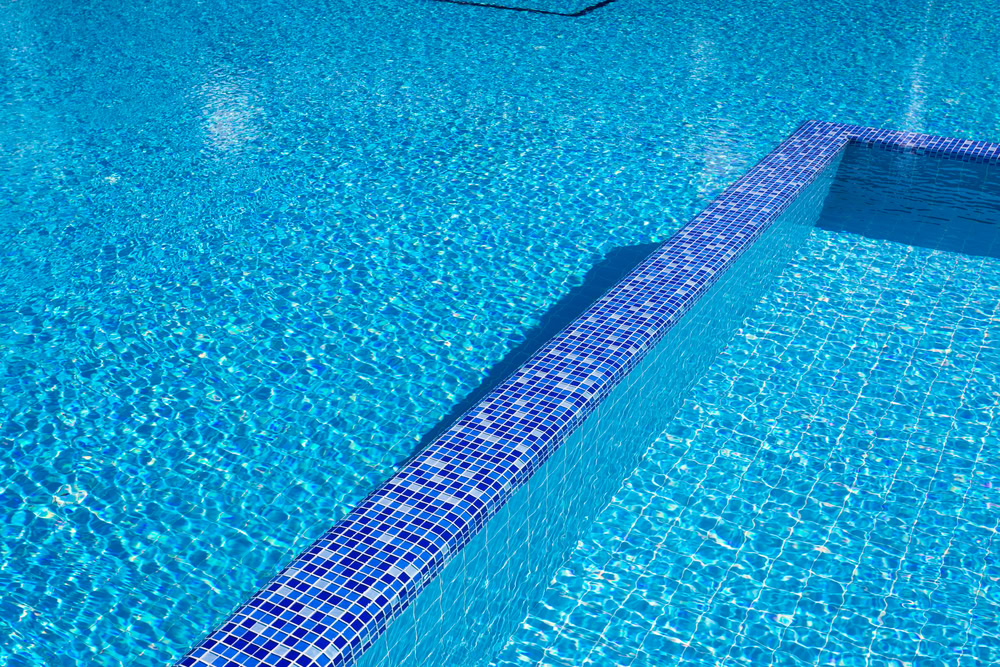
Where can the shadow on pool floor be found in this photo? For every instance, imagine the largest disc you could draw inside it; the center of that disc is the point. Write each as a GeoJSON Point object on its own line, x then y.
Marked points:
{"type": "Point", "coordinates": [614, 266]}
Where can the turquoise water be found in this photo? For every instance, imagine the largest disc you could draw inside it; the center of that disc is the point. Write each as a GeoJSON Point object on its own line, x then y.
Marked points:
{"type": "Point", "coordinates": [827, 494]}
{"type": "Point", "coordinates": [253, 251]}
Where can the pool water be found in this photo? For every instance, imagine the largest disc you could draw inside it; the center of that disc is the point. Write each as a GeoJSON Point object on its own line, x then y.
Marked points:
{"type": "Point", "coordinates": [828, 493]}
{"type": "Point", "coordinates": [251, 252]}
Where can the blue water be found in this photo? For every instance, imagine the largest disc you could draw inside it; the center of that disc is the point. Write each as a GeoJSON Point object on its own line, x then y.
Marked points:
{"type": "Point", "coordinates": [252, 251]}
{"type": "Point", "coordinates": [828, 493]}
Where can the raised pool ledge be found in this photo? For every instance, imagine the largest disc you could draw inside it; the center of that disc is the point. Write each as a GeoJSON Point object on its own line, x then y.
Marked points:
{"type": "Point", "coordinates": [358, 593]}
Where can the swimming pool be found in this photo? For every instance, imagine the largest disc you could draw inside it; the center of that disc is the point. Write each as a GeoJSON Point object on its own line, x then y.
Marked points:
{"type": "Point", "coordinates": [235, 236]}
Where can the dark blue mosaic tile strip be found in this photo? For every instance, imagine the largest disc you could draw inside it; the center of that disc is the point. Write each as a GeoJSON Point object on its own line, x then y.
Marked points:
{"type": "Point", "coordinates": [336, 598]}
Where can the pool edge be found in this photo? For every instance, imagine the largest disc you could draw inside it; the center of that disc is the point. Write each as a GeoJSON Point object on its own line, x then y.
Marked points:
{"type": "Point", "coordinates": [337, 597]}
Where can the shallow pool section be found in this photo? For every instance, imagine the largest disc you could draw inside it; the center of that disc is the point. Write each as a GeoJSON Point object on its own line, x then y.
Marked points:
{"type": "Point", "coordinates": [828, 493]}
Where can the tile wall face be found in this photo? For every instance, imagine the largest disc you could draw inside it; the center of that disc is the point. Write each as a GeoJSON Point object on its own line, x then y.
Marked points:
{"type": "Point", "coordinates": [459, 524]}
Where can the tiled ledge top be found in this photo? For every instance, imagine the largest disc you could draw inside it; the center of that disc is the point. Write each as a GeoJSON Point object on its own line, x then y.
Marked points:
{"type": "Point", "coordinates": [337, 597]}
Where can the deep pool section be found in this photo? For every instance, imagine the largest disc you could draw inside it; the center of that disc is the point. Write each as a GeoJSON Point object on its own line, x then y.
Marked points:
{"type": "Point", "coordinates": [828, 492]}
{"type": "Point", "coordinates": [938, 203]}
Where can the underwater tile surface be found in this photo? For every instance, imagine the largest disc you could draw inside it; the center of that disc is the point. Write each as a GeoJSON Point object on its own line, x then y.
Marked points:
{"type": "Point", "coordinates": [827, 494]}
{"type": "Point", "coordinates": [235, 235]}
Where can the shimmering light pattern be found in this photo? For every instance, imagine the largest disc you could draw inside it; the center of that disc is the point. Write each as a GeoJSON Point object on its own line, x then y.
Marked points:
{"type": "Point", "coordinates": [252, 252]}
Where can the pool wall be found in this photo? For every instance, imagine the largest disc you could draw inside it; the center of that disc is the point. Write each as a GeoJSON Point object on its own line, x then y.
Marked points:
{"type": "Point", "coordinates": [435, 565]}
